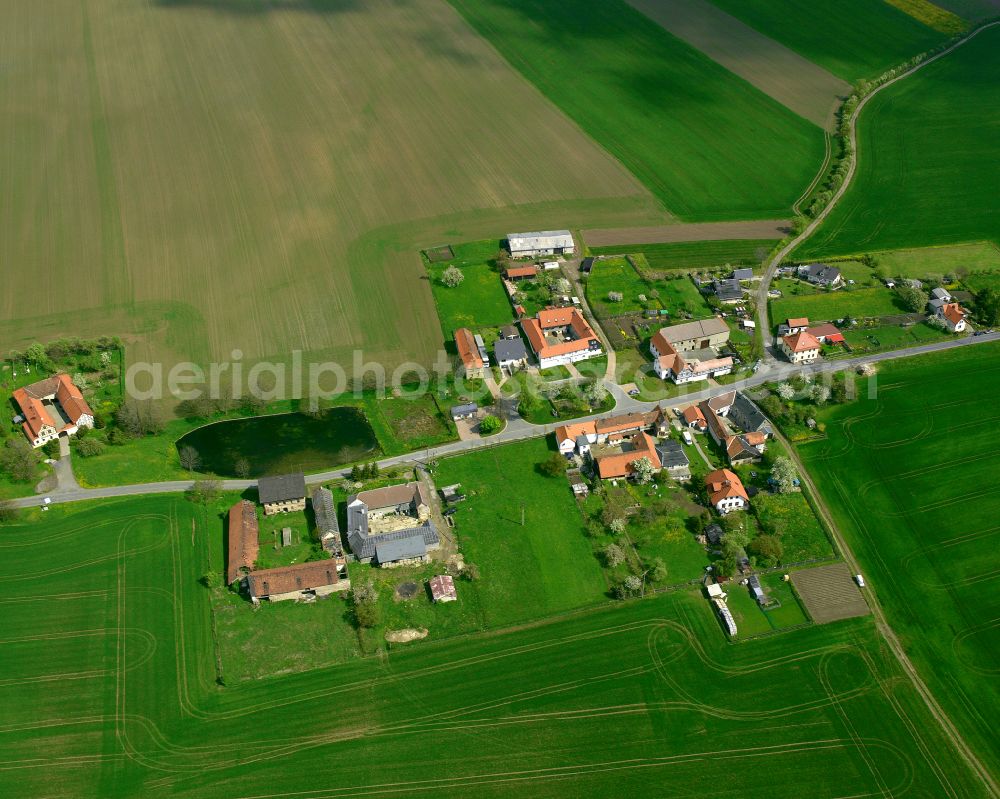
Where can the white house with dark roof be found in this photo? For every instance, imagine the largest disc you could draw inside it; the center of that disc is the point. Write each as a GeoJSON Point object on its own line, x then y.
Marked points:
{"type": "Point", "coordinates": [821, 275]}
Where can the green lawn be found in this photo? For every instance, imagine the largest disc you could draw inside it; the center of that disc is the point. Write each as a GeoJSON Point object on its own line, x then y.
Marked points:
{"type": "Point", "coordinates": [980, 256]}
{"type": "Point", "coordinates": [851, 38]}
{"type": "Point", "coordinates": [705, 142]}
{"type": "Point", "coordinates": [926, 174]}
{"type": "Point", "coordinates": [828, 306]}
{"type": "Point", "coordinates": [892, 337]}
{"type": "Point", "coordinates": [901, 474]}
{"type": "Point", "coordinates": [676, 294]}
{"type": "Point", "coordinates": [114, 653]}
{"type": "Point", "coordinates": [480, 299]}
{"type": "Point", "coordinates": [695, 255]}
{"type": "Point", "coordinates": [543, 567]}
{"type": "Point", "coordinates": [790, 518]}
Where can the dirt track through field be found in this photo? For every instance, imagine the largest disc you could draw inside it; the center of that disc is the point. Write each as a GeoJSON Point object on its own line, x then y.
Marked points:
{"type": "Point", "coordinates": [795, 82]}
{"type": "Point", "coordinates": [695, 231]}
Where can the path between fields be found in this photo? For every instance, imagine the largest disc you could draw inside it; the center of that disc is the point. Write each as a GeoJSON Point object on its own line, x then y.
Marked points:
{"type": "Point", "coordinates": [886, 631]}
{"type": "Point", "coordinates": [763, 321]}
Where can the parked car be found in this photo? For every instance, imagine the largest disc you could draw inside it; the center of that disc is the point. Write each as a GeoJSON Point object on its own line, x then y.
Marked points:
{"type": "Point", "coordinates": [859, 580]}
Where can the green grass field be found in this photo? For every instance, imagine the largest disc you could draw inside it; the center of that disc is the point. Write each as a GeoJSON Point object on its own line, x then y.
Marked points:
{"type": "Point", "coordinates": [924, 178]}
{"type": "Point", "coordinates": [479, 300]}
{"type": "Point", "coordinates": [676, 294]}
{"type": "Point", "coordinates": [543, 567]}
{"type": "Point", "coordinates": [705, 142]}
{"type": "Point", "coordinates": [902, 474]}
{"type": "Point", "coordinates": [892, 337]}
{"type": "Point", "coordinates": [122, 679]}
{"type": "Point", "coordinates": [695, 255]}
{"type": "Point", "coordinates": [830, 305]}
{"type": "Point", "coordinates": [981, 256]}
{"type": "Point", "coordinates": [853, 39]}
{"type": "Point", "coordinates": [261, 176]}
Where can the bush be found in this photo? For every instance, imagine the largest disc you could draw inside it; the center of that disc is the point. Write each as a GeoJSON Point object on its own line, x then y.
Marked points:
{"type": "Point", "coordinates": [19, 460]}
{"type": "Point", "coordinates": [489, 425]}
{"type": "Point", "coordinates": [767, 549]}
{"type": "Point", "coordinates": [452, 277]}
{"type": "Point", "coordinates": [89, 447]}
{"type": "Point", "coordinates": [553, 466]}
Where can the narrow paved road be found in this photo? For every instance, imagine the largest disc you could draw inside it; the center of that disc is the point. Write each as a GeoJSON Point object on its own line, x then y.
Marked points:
{"type": "Point", "coordinates": [518, 429]}
{"type": "Point", "coordinates": [763, 316]}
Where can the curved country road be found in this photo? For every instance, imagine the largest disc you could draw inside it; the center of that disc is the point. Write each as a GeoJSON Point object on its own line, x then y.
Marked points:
{"type": "Point", "coordinates": [763, 320]}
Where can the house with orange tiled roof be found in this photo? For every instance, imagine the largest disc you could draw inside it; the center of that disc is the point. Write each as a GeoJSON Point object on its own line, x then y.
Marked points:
{"type": "Point", "coordinates": [801, 347]}
{"type": "Point", "coordinates": [617, 461]}
{"type": "Point", "coordinates": [693, 417]}
{"type": "Point", "coordinates": [953, 316]}
{"type": "Point", "coordinates": [559, 336]}
{"type": "Point", "coordinates": [725, 491]}
{"type": "Point", "coordinates": [51, 408]}
{"type": "Point", "coordinates": [579, 437]}
{"type": "Point", "coordinates": [471, 362]}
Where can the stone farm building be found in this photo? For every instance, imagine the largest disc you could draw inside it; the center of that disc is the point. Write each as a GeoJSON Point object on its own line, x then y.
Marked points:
{"type": "Point", "coordinates": [472, 364]}
{"type": "Point", "coordinates": [51, 408]}
{"type": "Point", "coordinates": [315, 578]}
{"type": "Point", "coordinates": [701, 338]}
{"type": "Point", "coordinates": [560, 336]}
{"type": "Point", "coordinates": [301, 581]}
{"type": "Point", "coordinates": [284, 493]}
{"type": "Point", "coordinates": [327, 526]}
{"type": "Point", "coordinates": [392, 525]}
{"type": "Point", "coordinates": [540, 242]}
{"type": "Point", "coordinates": [244, 543]}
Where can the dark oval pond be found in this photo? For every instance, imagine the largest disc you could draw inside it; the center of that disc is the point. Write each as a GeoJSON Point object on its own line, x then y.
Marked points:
{"type": "Point", "coordinates": [287, 442]}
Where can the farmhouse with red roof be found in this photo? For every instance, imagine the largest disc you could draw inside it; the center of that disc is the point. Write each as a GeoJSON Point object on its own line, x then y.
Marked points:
{"type": "Point", "coordinates": [51, 408]}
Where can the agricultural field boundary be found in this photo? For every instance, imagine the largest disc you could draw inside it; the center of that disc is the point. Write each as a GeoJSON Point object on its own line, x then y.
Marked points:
{"type": "Point", "coordinates": [797, 83]}
{"type": "Point", "coordinates": [696, 231]}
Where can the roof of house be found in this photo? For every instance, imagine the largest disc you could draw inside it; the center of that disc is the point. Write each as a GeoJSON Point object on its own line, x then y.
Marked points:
{"type": "Point", "coordinates": [940, 293]}
{"type": "Point", "coordinates": [720, 402]}
{"type": "Point", "coordinates": [468, 352]}
{"type": "Point", "coordinates": [442, 585]}
{"type": "Point", "coordinates": [244, 544]}
{"type": "Point", "coordinates": [281, 488]}
{"type": "Point", "coordinates": [325, 511]}
{"type": "Point", "coordinates": [617, 465]}
{"type": "Point", "coordinates": [710, 365]}
{"type": "Point", "coordinates": [747, 414]}
{"type": "Point", "coordinates": [392, 496]}
{"type": "Point", "coordinates": [671, 453]}
{"type": "Point", "coordinates": [798, 321]}
{"type": "Point", "coordinates": [510, 350]}
{"type": "Point", "coordinates": [740, 447]}
{"type": "Point", "coordinates": [701, 328]}
{"type": "Point", "coordinates": [509, 331]}
{"type": "Point", "coordinates": [728, 289]}
{"type": "Point", "coordinates": [571, 432]}
{"type": "Point", "coordinates": [464, 410]}
{"type": "Point", "coordinates": [724, 484]}
{"type": "Point", "coordinates": [716, 424]}
{"type": "Point", "coordinates": [529, 270]}
{"type": "Point", "coordinates": [801, 342]}
{"type": "Point", "coordinates": [549, 318]}
{"type": "Point", "coordinates": [714, 533]}
{"type": "Point", "coordinates": [625, 422]}
{"type": "Point", "coordinates": [389, 550]}
{"type": "Point", "coordinates": [693, 415]}
{"type": "Point", "coordinates": [300, 577]}
{"type": "Point", "coordinates": [540, 240]}
{"type": "Point", "coordinates": [822, 273]}
{"type": "Point", "coordinates": [744, 273]}
{"type": "Point", "coordinates": [827, 331]}
{"type": "Point", "coordinates": [953, 312]}
{"type": "Point", "coordinates": [31, 400]}
{"type": "Point", "coordinates": [364, 546]}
